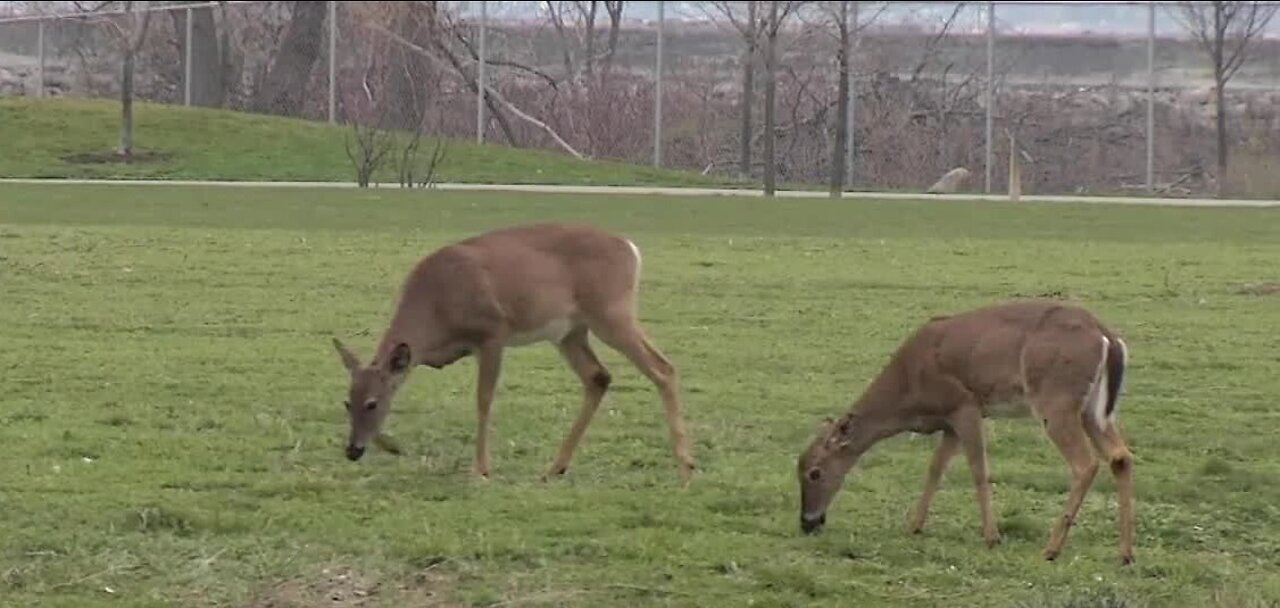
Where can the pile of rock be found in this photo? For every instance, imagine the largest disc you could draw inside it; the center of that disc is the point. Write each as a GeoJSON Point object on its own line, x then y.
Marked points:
{"type": "Point", "coordinates": [22, 78]}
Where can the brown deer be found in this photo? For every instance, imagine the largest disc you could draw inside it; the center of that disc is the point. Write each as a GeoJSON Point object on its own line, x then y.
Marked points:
{"type": "Point", "coordinates": [1052, 359]}
{"type": "Point", "coordinates": [516, 286]}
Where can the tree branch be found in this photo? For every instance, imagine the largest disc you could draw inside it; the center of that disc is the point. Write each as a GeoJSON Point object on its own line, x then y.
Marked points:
{"type": "Point", "coordinates": [490, 93]}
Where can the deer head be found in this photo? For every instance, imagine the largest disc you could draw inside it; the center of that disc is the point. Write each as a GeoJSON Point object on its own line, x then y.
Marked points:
{"type": "Point", "coordinates": [370, 393]}
{"type": "Point", "coordinates": [822, 469]}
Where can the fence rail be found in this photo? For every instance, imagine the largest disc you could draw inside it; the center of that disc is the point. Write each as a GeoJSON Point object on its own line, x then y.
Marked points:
{"type": "Point", "coordinates": [935, 85]}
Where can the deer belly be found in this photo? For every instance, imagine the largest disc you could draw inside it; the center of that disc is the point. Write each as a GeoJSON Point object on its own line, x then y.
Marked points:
{"type": "Point", "coordinates": [553, 331]}
{"type": "Point", "coordinates": [1013, 407]}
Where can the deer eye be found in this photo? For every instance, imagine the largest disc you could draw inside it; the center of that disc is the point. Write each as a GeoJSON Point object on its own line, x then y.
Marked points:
{"type": "Point", "coordinates": [815, 474]}
{"type": "Point", "coordinates": [370, 405]}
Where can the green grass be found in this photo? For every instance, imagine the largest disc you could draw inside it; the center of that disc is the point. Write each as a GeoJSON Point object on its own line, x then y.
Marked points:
{"type": "Point", "coordinates": [43, 137]}
{"type": "Point", "coordinates": [171, 422]}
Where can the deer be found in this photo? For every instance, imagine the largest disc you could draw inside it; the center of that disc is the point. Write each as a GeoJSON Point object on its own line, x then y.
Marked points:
{"type": "Point", "coordinates": [516, 286]}
{"type": "Point", "coordinates": [1052, 360]}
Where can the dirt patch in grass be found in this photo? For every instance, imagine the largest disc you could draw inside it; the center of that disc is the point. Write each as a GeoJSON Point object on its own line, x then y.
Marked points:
{"type": "Point", "coordinates": [1271, 288]}
{"type": "Point", "coordinates": [111, 157]}
{"type": "Point", "coordinates": [344, 587]}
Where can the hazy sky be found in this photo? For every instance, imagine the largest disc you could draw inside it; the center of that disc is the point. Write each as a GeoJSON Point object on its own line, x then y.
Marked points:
{"type": "Point", "coordinates": [1101, 18]}
{"type": "Point", "coordinates": [1107, 18]}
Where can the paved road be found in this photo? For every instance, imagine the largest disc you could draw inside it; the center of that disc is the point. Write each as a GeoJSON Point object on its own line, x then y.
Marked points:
{"type": "Point", "coordinates": [660, 190]}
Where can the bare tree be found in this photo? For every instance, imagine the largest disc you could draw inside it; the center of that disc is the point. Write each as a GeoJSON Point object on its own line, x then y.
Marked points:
{"type": "Point", "coordinates": [843, 14]}
{"type": "Point", "coordinates": [844, 65]}
{"type": "Point", "coordinates": [586, 84]}
{"type": "Point", "coordinates": [1224, 31]}
{"type": "Point", "coordinates": [285, 86]}
{"type": "Point", "coordinates": [128, 28]}
{"type": "Point", "coordinates": [748, 21]}
{"type": "Point", "coordinates": [372, 145]}
{"type": "Point", "coordinates": [770, 89]}
{"type": "Point", "coordinates": [614, 10]}
{"type": "Point", "coordinates": [130, 31]}
{"type": "Point", "coordinates": [778, 14]}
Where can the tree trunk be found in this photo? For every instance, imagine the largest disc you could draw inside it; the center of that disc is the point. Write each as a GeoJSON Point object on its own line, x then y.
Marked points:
{"type": "Point", "coordinates": [130, 41]}
{"type": "Point", "coordinates": [589, 59]}
{"type": "Point", "coordinates": [842, 103]}
{"type": "Point", "coordinates": [770, 89]}
{"type": "Point", "coordinates": [125, 150]}
{"type": "Point", "coordinates": [285, 87]}
{"type": "Point", "coordinates": [1221, 120]}
{"type": "Point", "coordinates": [208, 88]}
{"type": "Point", "coordinates": [614, 9]}
{"type": "Point", "coordinates": [748, 100]}
{"type": "Point", "coordinates": [1220, 84]}
{"type": "Point", "coordinates": [748, 93]}
{"type": "Point", "coordinates": [411, 76]}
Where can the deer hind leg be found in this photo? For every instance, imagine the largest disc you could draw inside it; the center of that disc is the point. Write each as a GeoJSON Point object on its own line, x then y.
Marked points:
{"type": "Point", "coordinates": [1064, 425]}
{"type": "Point", "coordinates": [623, 333]}
{"type": "Point", "coordinates": [967, 424]}
{"type": "Point", "coordinates": [947, 448]}
{"type": "Point", "coordinates": [1110, 443]}
{"type": "Point", "coordinates": [576, 350]}
{"type": "Point", "coordinates": [489, 362]}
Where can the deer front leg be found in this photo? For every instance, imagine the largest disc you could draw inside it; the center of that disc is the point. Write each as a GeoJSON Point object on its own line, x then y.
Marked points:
{"type": "Point", "coordinates": [937, 466]}
{"type": "Point", "coordinates": [967, 424]}
{"type": "Point", "coordinates": [490, 364]}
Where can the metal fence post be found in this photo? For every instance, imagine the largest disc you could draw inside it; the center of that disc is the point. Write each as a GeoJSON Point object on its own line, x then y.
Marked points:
{"type": "Point", "coordinates": [991, 91]}
{"type": "Point", "coordinates": [333, 60]}
{"type": "Point", "coordinates": [186, 63]}
{"type": "Point", "coordinates": [1151, 97]}
{"type": "Point", "coordinates": [657, 93]}
{"type": "Point", "coordinates": [40, 58]}
{"type": "Point", "coordinates": [480, 80]}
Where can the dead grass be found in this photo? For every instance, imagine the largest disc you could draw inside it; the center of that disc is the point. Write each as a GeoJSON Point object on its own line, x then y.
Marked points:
{"type": "Point", "coordinates": [1266, 288]}
{"type": "Point", "coordinates": [340, 586]}
{"type": "Point", "coordinates": [1254, 173]}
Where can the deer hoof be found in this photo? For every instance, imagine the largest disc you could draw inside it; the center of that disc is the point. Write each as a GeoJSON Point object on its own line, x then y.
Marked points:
{"type": "Point", "coordinates": [554, 473]}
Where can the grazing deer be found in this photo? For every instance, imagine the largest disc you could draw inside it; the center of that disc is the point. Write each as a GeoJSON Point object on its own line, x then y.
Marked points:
{"type": "Point", "coordinates": [1055, 360]}
{"type": "Point", "coordinates": [516, 286]}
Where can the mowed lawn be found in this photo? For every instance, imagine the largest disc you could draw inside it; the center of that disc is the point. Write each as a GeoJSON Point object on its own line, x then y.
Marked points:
{"type": "Point", "coordinates": [171, 427]}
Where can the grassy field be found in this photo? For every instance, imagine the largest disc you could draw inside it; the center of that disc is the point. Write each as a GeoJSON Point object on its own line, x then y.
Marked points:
{"type": "Point", "coordinates": [68, 138]}
{"type": "Point", "coordinates": [172, 427]}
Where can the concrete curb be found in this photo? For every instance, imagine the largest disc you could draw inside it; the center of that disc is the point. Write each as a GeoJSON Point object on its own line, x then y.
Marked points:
{"type": "Point", "coordinates": [670, 191]}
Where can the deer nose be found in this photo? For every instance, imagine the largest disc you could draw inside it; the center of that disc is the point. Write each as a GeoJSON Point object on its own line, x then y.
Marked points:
{"type": "Point", "coordinates": [354, 452]}
{"type": "Point", "coordinates": [811, 526]}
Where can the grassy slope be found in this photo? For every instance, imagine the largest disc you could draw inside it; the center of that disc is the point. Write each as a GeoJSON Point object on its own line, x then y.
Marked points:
{"type": "Point", "coordinates": [172, 426]}
{"type": "Point", "coordinates": [205, 144]}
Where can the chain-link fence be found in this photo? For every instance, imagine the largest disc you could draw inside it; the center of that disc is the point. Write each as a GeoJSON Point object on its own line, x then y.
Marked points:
{"type": "Point", "coordinates": [1090, 98]}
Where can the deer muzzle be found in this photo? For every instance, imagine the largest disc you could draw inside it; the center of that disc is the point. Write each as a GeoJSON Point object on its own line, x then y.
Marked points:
{"type": "Point", "coordinates": [811, 525]}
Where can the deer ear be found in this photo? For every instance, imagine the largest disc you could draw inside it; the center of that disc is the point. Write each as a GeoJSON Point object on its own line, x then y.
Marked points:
{"type": "Point", "coordinates": [349, 359]}
{"type": "Point", "coordinates": [400, 359]}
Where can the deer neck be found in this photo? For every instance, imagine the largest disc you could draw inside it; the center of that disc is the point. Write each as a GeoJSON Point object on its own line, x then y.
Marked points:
{"type": "Point", "coordinates": [430, 341]}
{"type": "Point", "coordinates": [876, 415]}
